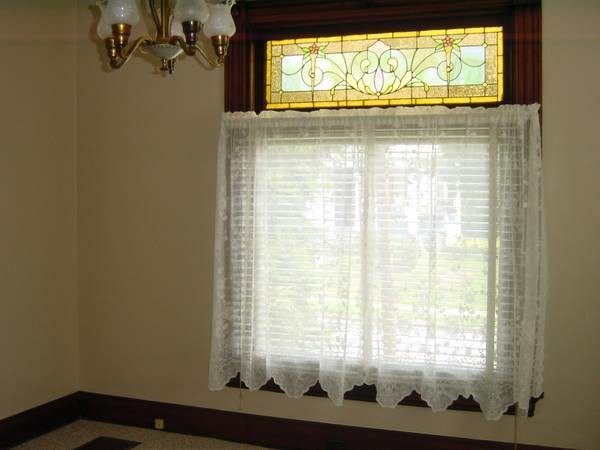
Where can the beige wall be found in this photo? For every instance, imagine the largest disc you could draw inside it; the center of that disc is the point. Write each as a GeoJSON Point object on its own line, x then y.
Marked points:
{"type": "Point", "coordinates": [570, 415]}
{"type": "Point", "coordinates": [38, 309]}
{"type": "Point", "coordinates": [146, 181]}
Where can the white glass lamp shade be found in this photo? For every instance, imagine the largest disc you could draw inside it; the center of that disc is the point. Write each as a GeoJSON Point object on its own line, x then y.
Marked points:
{"type": "Point", "coordinates": [176, 28]}
{"type": "Point", "coordinates": [191, 10]}
{"type": "Point", "coordinates": [104, 30]}
{"type": "Point", "coordinates": [121, 11]}
{"type": "Point", "coordinates": [220, 21]}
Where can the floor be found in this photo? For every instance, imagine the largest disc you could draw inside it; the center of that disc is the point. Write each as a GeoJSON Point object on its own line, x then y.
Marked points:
{"type": "Point", "coordinates": [79, 433]}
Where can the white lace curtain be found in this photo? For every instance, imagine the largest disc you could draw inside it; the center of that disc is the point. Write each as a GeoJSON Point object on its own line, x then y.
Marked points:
{"type": "Point", "coordinates": [401, 247]}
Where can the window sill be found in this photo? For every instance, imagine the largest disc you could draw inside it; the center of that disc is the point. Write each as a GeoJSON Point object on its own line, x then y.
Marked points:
{"type": "Point", "coordinates": [367, 393]}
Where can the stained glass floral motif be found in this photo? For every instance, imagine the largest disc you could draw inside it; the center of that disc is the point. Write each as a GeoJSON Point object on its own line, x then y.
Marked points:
{"type": "Point", "coordinates": [454, 66]}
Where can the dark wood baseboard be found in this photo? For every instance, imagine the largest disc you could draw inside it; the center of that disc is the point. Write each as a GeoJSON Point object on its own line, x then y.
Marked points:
{"type": "Point", "coordinates": [266, 431]}
{"type": "Point", "coordinates": [39, 420]}
{"type": "Point", "coordinates": [269, 431]}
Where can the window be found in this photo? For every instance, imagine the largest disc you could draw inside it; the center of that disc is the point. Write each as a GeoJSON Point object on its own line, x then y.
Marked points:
{"type": "Point", "coordinates": [452, 66]}
{"type": "Point", "coordinates": [264, 21]}
{"type": "Point", "coordinates": [261, 23]}
{"type": "Point", "coordinates": [400, 248]}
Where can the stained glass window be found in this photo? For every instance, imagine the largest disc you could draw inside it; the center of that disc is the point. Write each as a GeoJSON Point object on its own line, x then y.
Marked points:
{"type": "Point", "coordinates": [453, 66]}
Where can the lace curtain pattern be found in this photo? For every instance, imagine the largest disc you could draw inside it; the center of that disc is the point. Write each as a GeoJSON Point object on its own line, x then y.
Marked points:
{"type": "Point", "coordinates": [401, 247]}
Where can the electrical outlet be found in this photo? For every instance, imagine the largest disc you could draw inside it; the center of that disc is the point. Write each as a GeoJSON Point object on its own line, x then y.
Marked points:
{"type": "Point", "coordinates": [159, 424]}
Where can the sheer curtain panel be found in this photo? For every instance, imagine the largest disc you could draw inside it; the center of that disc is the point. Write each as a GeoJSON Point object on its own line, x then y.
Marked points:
{"type": "Point", "coordinates": [401, 247]}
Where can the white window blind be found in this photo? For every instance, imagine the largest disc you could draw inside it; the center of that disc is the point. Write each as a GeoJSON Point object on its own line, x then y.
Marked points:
{"type": "Point", "coordinates": [400, 247]}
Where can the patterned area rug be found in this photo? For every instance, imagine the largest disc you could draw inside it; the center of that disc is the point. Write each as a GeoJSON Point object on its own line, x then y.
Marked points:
{"type": "Point", "coordinates": [108, 443]}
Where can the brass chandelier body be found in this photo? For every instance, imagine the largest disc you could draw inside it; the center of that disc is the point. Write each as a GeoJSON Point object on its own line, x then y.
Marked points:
{"type": "Point", "coordinates": [164, 45]}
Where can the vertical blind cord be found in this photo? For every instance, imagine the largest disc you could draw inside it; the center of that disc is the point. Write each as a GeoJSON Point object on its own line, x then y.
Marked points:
{"type": "Point", "coordinates": [240, 398]}
{"type": "Point", "coordinates": [515, 427]}
{"type": "Point", "coordinates": [245, 427]}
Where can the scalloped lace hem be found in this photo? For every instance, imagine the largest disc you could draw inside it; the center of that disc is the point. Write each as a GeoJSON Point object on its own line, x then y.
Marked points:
{"type": "Point", "coordinates": [492, 409]}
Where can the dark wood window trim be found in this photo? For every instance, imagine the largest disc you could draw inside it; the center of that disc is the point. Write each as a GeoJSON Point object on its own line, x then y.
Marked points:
{"type": "Point", "coordinates": [260, 20]}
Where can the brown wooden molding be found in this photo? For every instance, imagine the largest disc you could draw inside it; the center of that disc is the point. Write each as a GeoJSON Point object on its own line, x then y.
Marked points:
{"type": "Point", "coordinates": [287, 14]}
{"type": "Point", "coordinates": [237, 92]}
{"type": "Point", "coordinates": [367, 393]}
{"type": "Point", "coordinates": [259, 21]}
{"type": "Point", "coordinates": [39, 420]}
{"type": "Point", "coordinates": [270, 432]}
{"type": "Point", "coordinates": [528, 55]}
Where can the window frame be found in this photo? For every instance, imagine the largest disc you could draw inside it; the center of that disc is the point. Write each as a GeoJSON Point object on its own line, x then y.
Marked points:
{"type": "Point", "coordinates": [258, 21]}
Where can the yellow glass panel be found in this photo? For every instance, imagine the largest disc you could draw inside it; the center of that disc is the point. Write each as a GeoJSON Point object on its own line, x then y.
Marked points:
{"type": "Point", "coordinates": [401, 101]}
{"type": "Point", "coordinates": [325, 96]}
{"type": "Point", "coordinates": [457, 100]}
{"type": "Point", "coordinates": [278, 106]}
{"type": "Point", "coordinates": [329, 39]}
{"type": "Point", "coordinates": [354, 37]}
{"type": "Point", "coordinates": [491, 64]}
{"type": "Point", "coordinates": [302, 105]}
{"type": "Point", "coordinates": [500, 88]}
{"type": "Point", "coordinates": [403, 34]}
{"type": "Point", "coordinates": [284, 42]}
{"type": "Point", "coordinates": [419, 92]}
{"type": "Point", "coordinates": [486, 99]}
{"type": "Point", "coordinates": [355, 103]}
{"type": "Point", "coordinates": [465, 91]}
{"type": "Point", "coordinates": [445, 66]}
{"type": "Point", "coordinates": [336, 47]}
{"type": "Point", "coordinates": [402, 43]}
{"type": "Point", "coordinates": [475, 39]}
{"type": "Point", "coordinates": [432, 33]}
{"type": "Point", "coordinates": [500, 44]}
{"type": "Point", "coordinates": [425, 42]}
{"type": "Point", "coordinates": [291, 49]}
{"type": "Point", "coordinates": [380, 35]}
{"type": "Point", "coordinates": [358, 45]}
{"type": "Point", "coordinates": [276, 76]}
{"type": "Point", "coordinates": [376, 102]}
{"type": "Point", "coordinates": [328, 104]}
{"type": "Point", "coordinates": [268, 69]}
{"type": "Point", "coordinates": [491, 38]}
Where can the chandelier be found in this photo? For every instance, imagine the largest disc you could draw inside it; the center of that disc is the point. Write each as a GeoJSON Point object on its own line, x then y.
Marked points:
{"type": "Point", "coordinates": [178, 26]}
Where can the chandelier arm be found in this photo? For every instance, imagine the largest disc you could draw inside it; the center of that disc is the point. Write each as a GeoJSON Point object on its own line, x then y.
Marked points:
{"type": "Point", "coordinates": [193, 50]}
{"type": "Point", "coordinates": [165, 20]}
{"type": "Point", "coordinates": [215, 64]}
{"type": "Point", "coordinates": [124, 56]}
{"type": "Point", "coordinates": [189, 50]}
{"type": "Point", "coordinates": [155, 16]}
